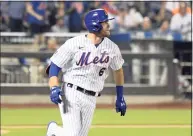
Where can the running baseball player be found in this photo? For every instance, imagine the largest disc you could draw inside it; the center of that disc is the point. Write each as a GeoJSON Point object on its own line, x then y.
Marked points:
{"type": "Point", "coordinates": [84, 61]}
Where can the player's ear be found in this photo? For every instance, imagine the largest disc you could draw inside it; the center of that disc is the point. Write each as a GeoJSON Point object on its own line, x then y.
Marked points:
{"type": "Point", "coordinates": [47, 70]}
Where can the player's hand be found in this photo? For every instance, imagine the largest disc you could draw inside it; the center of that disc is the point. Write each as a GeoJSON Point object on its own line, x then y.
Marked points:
{"type": "Point", "coordinates": [121, 106]}
{"type": "Point", "coordinates": [55, 94]}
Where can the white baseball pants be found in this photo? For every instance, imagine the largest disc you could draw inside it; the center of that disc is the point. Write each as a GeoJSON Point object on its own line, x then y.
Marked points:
{"type": "Point", "coordinates": [77, 111]}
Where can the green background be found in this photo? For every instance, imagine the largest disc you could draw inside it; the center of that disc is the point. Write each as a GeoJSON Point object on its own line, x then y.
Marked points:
{"type": "Point", "coordinates": [41, 116]}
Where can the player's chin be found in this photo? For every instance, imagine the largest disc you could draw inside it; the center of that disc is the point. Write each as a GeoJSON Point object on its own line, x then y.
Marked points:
{"type": "Point", "coordinates": [108, 33]}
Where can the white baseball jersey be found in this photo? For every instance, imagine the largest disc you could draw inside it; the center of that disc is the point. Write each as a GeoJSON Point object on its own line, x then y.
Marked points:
{"type": "Point", "coordinates": [85, 64]}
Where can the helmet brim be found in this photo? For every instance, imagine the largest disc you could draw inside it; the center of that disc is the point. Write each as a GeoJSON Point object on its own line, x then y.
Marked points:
{"type": "Point", "coordinates": [107, 19]}
{"type": "Point", "coordinates": [111, 18]}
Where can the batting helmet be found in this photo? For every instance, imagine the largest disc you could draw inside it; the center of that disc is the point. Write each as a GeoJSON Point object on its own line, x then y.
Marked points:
{"type": "Point", "coordinates": [94, 18]}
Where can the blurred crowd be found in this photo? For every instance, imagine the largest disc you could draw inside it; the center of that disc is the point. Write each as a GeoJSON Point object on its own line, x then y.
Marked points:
{"type": "Point", "coordinates": [67, 16]}
{"type": "Point", "coordinates": [37, 17]}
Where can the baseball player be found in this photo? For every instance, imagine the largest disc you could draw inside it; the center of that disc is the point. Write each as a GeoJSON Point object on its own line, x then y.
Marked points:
{"type": "Point", "coordinates": [84, 61]}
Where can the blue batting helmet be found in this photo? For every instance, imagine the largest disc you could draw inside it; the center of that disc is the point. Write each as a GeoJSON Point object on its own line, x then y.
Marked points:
{"type": "Point", "coordinates": [94, 18]}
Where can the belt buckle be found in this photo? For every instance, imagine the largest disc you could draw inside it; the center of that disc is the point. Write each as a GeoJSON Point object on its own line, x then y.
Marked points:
{"type": "Point", "coordinates": [69, 85]}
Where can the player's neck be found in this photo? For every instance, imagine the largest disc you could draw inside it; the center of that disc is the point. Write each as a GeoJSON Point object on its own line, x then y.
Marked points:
{"type": "Point", "coordinates": [94, 38]}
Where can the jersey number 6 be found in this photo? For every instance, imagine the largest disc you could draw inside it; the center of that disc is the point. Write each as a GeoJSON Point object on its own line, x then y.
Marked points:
{"type": "Point", "coordinates": [102, 71]}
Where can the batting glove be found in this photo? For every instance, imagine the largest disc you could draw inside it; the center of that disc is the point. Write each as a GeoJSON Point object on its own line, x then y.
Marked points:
{"type": "Point", "coordinates": [55, 94]}
{"type": "Point", "coordinates": [121, 106]}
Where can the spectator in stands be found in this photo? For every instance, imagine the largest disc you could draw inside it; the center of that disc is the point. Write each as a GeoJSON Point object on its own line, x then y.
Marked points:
{"type": "Point", "coordinates": [171, 5]}
{"type": "Point", "coordinates": [76, 17]}
{"type": "Point", "coordinates": [56, 9]}
{"type": "Point", "coordinates": [140, 7]}
{"type": "Point", "coordinates": [153, 9]}
{"type": "Point", "coordinates": [3, 26]}
{"type": "Point", "coordinates": [16, 12]}
{"type": "Point", "coordinates": [146, 25]}
{"type": "Point", "coordinates": [129, 19]}
{"type": "Point", "coordinates": [36, 18]}
{"type": "Point", "coordinates": [164, 28]}
{"type": "Point", "coordinates": [52, 46]}
{"type": "Point", "coordinates": [60, 12]}
{"type": "Point", "coordinates": [181, 22]}
{"type": "Point", "coordinates": [177, 9]}
{"type": "Point", "coordinates": [111, 8]}
{"type": "Point", "coordinates": [4, 13]}
{"type": "Point", "coordinates": [52, 9]}
{"type": "Point", "coordinates": [121, 19]}
{"type": "Point", "coordinates": [94, 5]}
{"type": "Point", "coordinates": [159, 14]}
{"type": "Point", "coordinates": [59, 26]}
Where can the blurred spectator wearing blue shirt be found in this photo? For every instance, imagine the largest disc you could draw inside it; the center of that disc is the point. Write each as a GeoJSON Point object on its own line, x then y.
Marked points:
{"type": "Point", "coordinates": [16, 12]}
{"type": "Point", "coordinates": [36, 18]}
{"type": "Point", "coordinates": [76, 17]}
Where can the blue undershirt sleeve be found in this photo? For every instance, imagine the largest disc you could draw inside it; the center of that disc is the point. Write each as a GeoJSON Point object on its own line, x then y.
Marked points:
{"type": "Point", "coordinates": [54, 70]}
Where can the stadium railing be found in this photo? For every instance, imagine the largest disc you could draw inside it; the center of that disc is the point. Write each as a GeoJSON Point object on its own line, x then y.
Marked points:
{"type": "Point", "coordinates": [143, 87]}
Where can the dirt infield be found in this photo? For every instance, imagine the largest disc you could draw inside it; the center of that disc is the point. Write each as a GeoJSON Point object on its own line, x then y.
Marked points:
{"type": "Point", "coordinates": [168, 105]}
{"type": "Point", "coordinates": [7, 129]}
{"type": "Point", "coordinates": [4, 131]}
{"type": "Point", "coordinates": [103, 126]}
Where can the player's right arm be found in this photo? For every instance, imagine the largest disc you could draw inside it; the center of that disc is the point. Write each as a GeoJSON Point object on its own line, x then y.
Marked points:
{"type": "Point", "coordinates": [53, 75]}
{"type": "Point", "coordinates": [55, 91]}
{"type": "Point", "coordinates": [58, 61]}
{"type": "Point", "coordinates": [53, 81]}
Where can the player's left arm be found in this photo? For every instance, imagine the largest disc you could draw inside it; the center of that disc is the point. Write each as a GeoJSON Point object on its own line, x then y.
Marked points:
{"type": "Point", "coordinates": [119, 77]}
{"type": "Point", "coordinates": [116, 64]}
{"type": "Point", "coordinates": [119, 81]}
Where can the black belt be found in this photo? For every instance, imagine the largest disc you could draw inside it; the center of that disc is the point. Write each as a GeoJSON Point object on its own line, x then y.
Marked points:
{"type": "Point", "coordinates": [84, 90]}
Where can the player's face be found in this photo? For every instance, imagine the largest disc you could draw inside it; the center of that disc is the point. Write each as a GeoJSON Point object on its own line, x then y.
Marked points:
{"type": "Point", "coordinates": [105, 32]}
